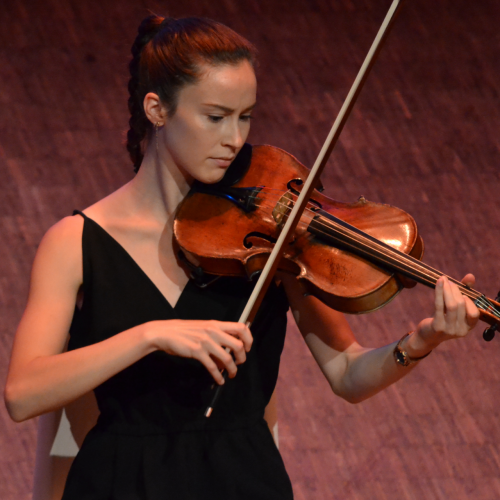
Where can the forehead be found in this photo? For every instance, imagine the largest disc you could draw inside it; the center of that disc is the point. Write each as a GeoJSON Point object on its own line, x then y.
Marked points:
{"type": "Point", "coordinates": [230, 85]}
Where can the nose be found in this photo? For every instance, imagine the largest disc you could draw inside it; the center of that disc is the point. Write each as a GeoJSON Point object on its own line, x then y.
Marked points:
{"type": "Point", "coordinates": [235, 138]}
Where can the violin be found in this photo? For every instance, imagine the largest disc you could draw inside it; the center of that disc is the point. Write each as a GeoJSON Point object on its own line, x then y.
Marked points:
{"type": "Point", "coordinates": [353, 257]}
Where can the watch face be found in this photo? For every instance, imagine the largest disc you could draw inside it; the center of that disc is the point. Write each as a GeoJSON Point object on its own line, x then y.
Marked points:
{"type": "Point", "coordinates": [401, 358]}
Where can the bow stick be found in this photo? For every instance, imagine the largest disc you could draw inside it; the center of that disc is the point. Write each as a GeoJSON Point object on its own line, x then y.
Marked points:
{"type": "Point", "coordinates": [267, 274]}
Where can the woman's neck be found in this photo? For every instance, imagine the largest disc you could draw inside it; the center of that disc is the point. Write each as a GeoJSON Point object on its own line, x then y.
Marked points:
{"type": "Point", "coordinates": [160, 185]}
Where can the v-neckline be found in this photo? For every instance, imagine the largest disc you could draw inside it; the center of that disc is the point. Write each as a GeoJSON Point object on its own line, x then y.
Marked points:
{"type": "Point", "coordinates": [137, 266]}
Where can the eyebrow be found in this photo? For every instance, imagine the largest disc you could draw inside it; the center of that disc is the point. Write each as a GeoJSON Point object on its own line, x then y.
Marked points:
{"type": "Point", "coordinates": [228, 110]}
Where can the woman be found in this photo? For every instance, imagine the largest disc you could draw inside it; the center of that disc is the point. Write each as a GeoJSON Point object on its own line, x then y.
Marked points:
{"type": "Point", "coordinates": [146, 338]}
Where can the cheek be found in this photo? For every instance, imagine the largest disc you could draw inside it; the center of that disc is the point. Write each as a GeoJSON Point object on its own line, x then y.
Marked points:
{"type": "Point", "coordinates": [180, 133]}
{"type": "Point", "coordinates": [183, 143]}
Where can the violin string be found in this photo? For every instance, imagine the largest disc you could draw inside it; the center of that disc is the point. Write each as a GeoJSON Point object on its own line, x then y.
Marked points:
{"type": "Point", "coordinates": [396, 259]}
{"type": "Point", "coordinates": [434, 274]}
{"type": "Point", "coordinates": [430, 277]}
{"type": "Point", "coordinates": [425, 272]}
{"type": "Point", "coordinates": [346, 231]}
{"type": "Point", "coordinates": [404, 261]}
{"type": "Point", "coordinates": [320, 223]}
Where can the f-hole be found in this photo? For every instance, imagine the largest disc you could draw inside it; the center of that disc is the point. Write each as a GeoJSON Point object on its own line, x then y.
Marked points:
{"type": "Point", "coordinates": [298, 182]}
{"type": "Point", "coordinates": [255, 234]}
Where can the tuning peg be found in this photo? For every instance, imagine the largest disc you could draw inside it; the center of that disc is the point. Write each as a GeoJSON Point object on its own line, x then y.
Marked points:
{"type": "Point", "coordinates": [489, 333]}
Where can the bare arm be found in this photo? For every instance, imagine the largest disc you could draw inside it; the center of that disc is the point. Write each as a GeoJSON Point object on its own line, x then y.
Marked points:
{"type": "Point", "coordinates": [43, 378]}
{"type": "Point", "coordinates": [357, 373]}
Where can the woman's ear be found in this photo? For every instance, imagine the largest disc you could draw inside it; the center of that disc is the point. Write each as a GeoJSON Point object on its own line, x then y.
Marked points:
{"type": "Point", "coordinates": [154, 109]}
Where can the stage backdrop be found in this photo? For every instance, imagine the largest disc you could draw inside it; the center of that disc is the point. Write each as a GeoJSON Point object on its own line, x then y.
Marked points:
{"type": "Point", "coordinates": [424, 136]}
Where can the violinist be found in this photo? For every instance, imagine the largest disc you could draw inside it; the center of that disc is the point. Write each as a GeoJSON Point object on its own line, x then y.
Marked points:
{"type": "Point", "coordinates": [146, 338]}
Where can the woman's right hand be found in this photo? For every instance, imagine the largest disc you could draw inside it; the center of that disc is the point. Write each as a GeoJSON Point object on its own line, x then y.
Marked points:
{"type": "Point", "coordinates": [212, 343]}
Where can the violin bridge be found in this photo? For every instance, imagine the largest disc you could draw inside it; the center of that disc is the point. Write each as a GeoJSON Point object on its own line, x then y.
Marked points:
{"type": "Point", "coordinates": [283, 208]}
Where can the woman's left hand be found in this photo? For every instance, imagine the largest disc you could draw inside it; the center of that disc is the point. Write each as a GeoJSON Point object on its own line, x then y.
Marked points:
{"type": "Point", "coordinates": [454, 315]}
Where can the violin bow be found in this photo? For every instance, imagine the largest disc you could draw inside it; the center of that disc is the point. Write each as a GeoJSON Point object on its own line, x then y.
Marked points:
{"type": "Point", "coordinates": [267, 274]}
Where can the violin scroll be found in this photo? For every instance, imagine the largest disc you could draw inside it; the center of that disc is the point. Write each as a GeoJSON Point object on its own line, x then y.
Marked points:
{"type": "Point", "coordinates": [489, 333]}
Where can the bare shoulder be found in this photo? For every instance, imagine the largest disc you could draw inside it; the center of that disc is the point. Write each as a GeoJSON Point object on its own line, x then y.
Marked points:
{"type": "Point", "coordinates": [63, 237]}
{"type": "Point", "coordinates": [60, 251]}
{"type": "Point", "coordinates": [123, 215]}
{"type": "Point", "coordinates": [112, 208]}
{"type": "Point", "coordinates": [66, 229]}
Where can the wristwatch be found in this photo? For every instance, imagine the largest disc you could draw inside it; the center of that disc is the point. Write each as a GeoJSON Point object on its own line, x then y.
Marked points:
{"type": "Point", "coordinates": [401, 356]}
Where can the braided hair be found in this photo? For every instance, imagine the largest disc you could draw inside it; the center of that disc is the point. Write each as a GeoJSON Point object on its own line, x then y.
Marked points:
{"type": "Point", "coordinates": [166, 56]}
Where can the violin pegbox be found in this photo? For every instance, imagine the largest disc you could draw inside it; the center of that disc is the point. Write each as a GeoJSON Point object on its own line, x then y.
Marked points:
{"type": "Point", "coordinates": [489, 333]}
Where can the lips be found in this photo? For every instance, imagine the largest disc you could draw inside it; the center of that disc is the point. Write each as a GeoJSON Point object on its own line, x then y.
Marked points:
{"type": "Point", "coordinates": [223, 162]}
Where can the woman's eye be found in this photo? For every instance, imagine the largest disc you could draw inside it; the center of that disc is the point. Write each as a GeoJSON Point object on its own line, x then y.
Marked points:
{"type": "Point", "coordinates": [215, 118]}
{"type": "Point", "coordinates": [246, 118]}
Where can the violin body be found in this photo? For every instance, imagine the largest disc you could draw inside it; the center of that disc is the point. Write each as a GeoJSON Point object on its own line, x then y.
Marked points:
{"type": "Point", "coordinates": [230, 230]}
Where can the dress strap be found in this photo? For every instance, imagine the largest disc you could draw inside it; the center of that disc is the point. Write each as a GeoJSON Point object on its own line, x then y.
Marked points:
{"type": "Point", "coordinates": [79, 212]}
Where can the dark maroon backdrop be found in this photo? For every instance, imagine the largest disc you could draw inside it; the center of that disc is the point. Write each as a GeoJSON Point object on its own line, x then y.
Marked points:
{"type": "Point", "coordinates": [423, 136]}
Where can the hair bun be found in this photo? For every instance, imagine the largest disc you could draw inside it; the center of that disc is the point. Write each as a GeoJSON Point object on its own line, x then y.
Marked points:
{"type": "Point", "coordinates": [166, 21]}
{"type": "Point", "coordinates": [147, 30]}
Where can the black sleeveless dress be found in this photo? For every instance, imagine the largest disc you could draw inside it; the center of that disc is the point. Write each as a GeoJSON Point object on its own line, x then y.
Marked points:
{"type": "Point", "coordinates": [152, 441]}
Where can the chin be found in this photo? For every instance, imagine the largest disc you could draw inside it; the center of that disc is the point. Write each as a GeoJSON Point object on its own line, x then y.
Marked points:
{"type": "Point", "coordinates": [214, 176]}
